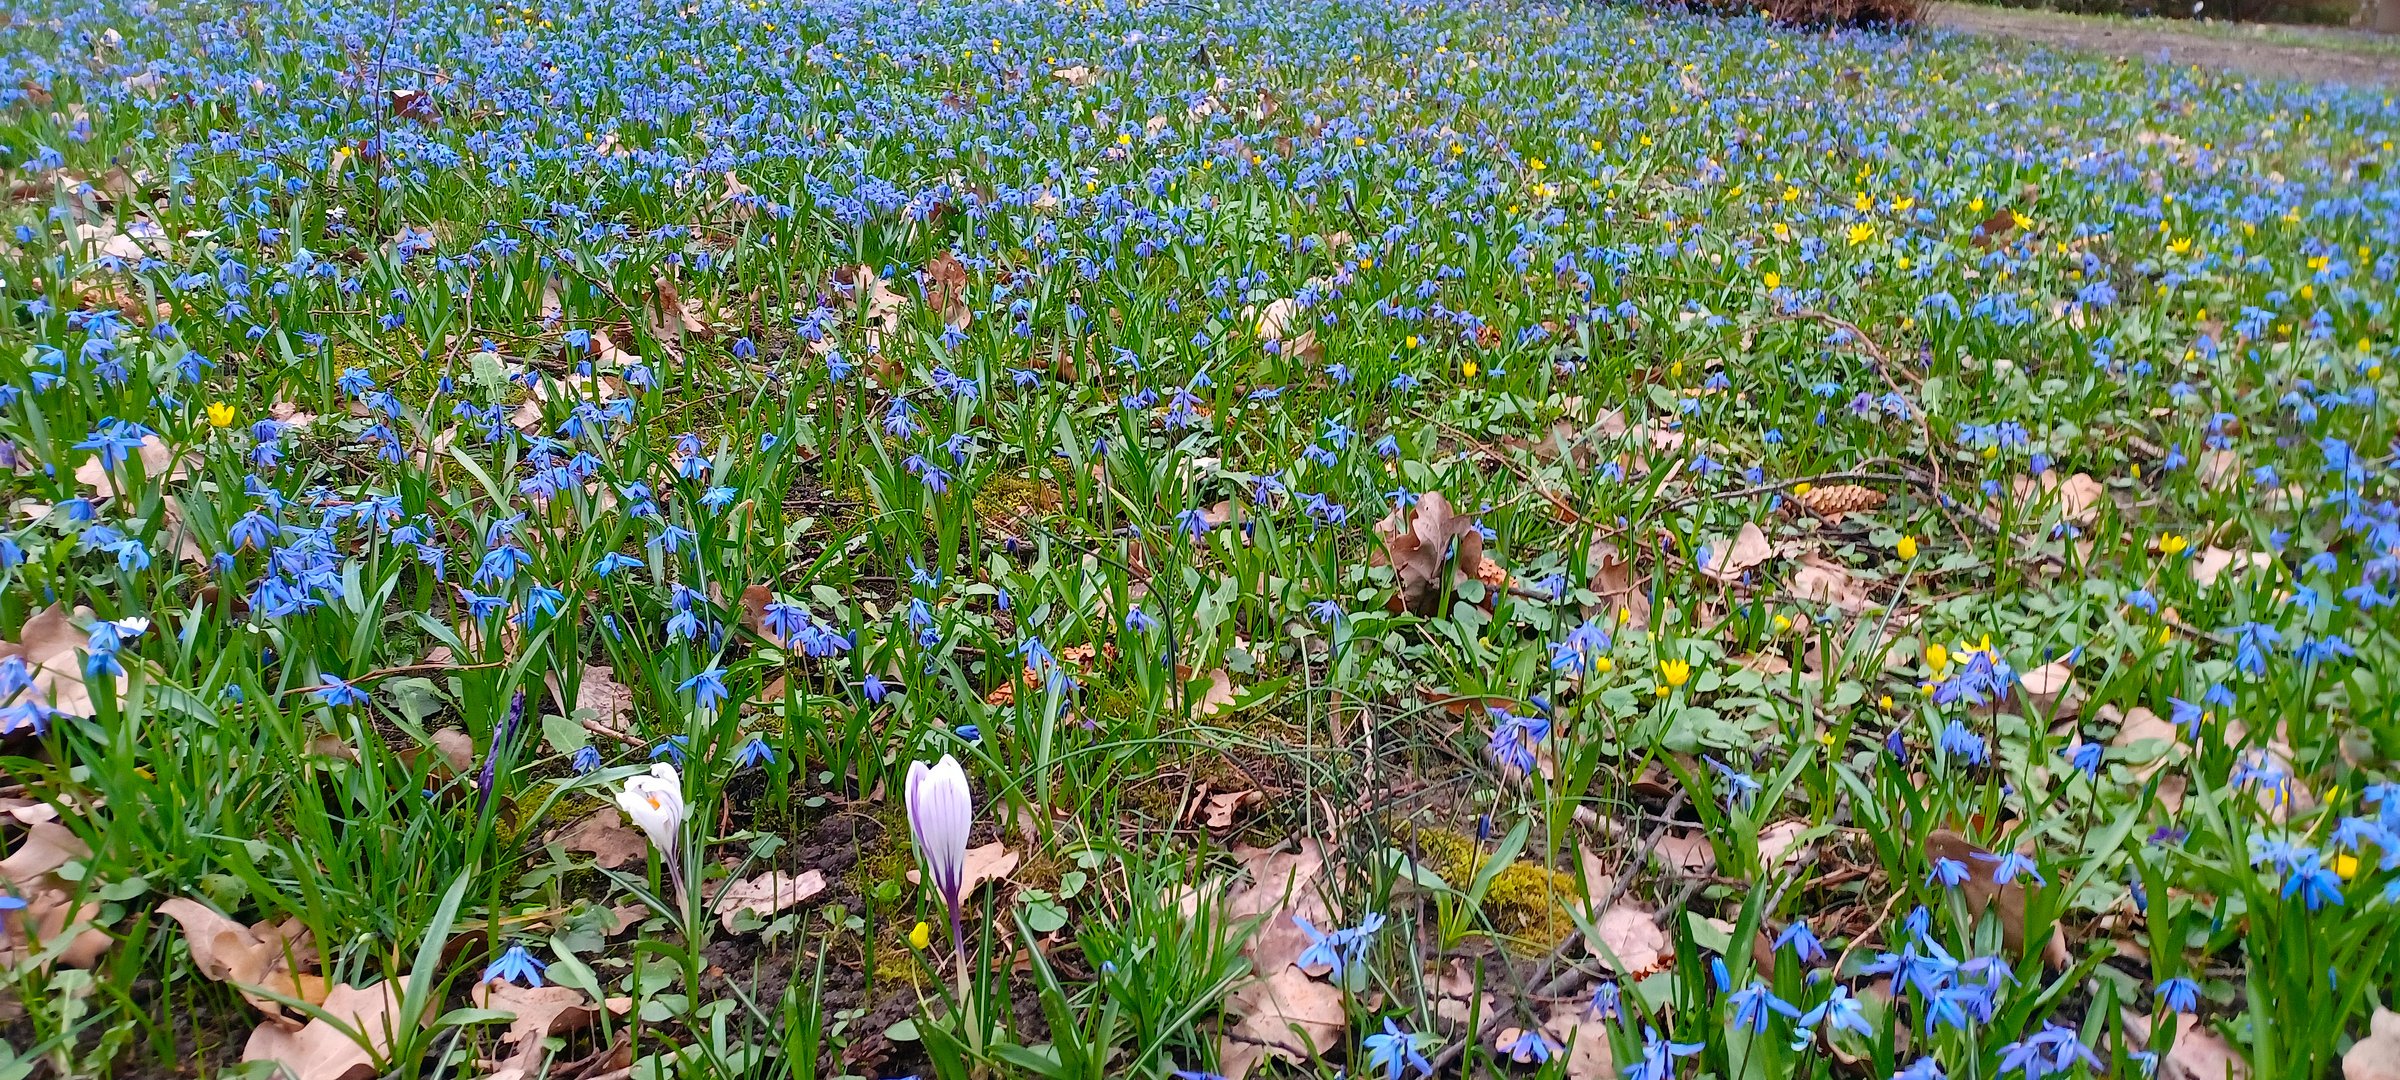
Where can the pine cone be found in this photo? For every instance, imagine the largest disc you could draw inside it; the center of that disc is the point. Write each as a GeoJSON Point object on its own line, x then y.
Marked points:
{"type": "Point", "coordinates": [1833, 501]}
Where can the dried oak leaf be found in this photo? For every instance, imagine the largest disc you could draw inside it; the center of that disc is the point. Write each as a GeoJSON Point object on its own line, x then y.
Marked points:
{"type": "Point", "coordinates": [2005, 902]}
{"type": "Point", "coordinates": [603, 834]}
{"type": "Point", "coordinates": [1749, 548]}
{"type": "Point", "coordinates": [2376, 1057]}
{"type": "Point", "coordinates": [991, 862]}
{"type": "Point", "coordinates": [766, 895]}
{"type": "Point", "coordinates": [1611, 576]}
{"type": "Point", "coordinates": [2199, 1052]}
{"type": "Point", "coordinates": [266, 957]}
{"type": "Point", "coordinates": [52, 646]}
{"type": "Point", "coordinates": [538, 1013]}
{"type": "Point", "coordinates": [1285, 1015]}
{"type": "Point", "coordinates": [946, 289]}
{"type": "Point", "coordinates": [1822, 581]}
{"type": "Point", "coordinates": [1426, 550]}
{"type": "Point", "coordinates": [1630, 942]}
{"type": "Point", "coordinates": [159, 464]}
{"type": "Point", "coordinates": [322, 1051]}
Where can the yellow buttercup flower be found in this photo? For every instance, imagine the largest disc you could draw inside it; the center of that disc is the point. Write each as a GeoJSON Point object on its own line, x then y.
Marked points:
{"type": "Point", "coordinates": [1937, 658]}
{"type": "Point", "coordinates": [1773, 280]}
{"type": "Point", "coordinates": [1907, 547]}
{"type": "Point", "coordinates": [1675, 672]}
{"type": "Point", "coordinates": [2172, 544]}
{"type": "Point", "coordinates": [220, 414]}
{"type": "Point", "coordinates": [921, 936]}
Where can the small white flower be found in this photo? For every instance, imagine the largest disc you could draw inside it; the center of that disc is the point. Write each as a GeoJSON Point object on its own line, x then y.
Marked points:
{"type": "Point", "coordinates": [655, 802]}
{"type": "Point", "coordinates": [940, 811]}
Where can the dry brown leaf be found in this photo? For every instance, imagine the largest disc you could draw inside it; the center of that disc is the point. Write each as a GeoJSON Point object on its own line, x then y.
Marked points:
{"type": "Point", "coordinates": [539, 1012]}
{"type": "Point", "coordinates": [1589, 1056]}
{"type": "Point", "coordinates": [266, 958]}
{"type": "Point", "coordinates": [2213, 561]}
{"type": "Point", "coordinates": [946, 289]}
{"type": "Point", "coordinates": [766, 895]}
{"type": "Point", "coordinates": [1749, 548]}
{"type": "Point", "coordinates": [1778, 841]}
{"type": "Point", "coordinates": [46, 847]}
{"type": "Point", "coordinates": [2005, 902]}
{"type": "Point", "coordinates": [610, 700]}
{"type": "Point", "coordinates": [1612, 577]}
{"type": "Point", "coordinates": [2376, 1057]}
{"type": "Point", "coordinates": [1219, 810]}
{"type": "Point", "coordinates": [321, 1051]}
{"type": "Point", "coordinates": [1286, 1015]}
{"type": "Point", "coordinates": [2199, 1052]}
{"type": "Point", "coordinates": [1458, 992]}
{"type": "Point", "coordinates": [1426, 549]}
{"type": "Point", "coordinates": [158, 465]}
{"type": "Point", "coordinates": [1275, 878]}
{"type": "Point", "coordinates": [1217, 698]}
{"type": "Point", "coordinates": [457, 749]}
{"type": "Point", "coordinates": [1630, 943]}
{"type": "Point", "coordinates": [1822, 581]}
{"type": "Point", "coordinates": [52, 647]}
{"type": "Point", "coordinates": [603, 835]}
{"type": "Point", "coordinates": [2046, 689]}
{"type": "Point", "coordinates": [1687, 853]}
{"type": "Point", "coordinates": [1075, 75]}
{"type": "Point", "coordinates": [991, 862]}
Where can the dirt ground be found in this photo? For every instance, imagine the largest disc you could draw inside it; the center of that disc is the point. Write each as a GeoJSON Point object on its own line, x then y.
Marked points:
{"type": "Point", "coordinates": [2347, 57]}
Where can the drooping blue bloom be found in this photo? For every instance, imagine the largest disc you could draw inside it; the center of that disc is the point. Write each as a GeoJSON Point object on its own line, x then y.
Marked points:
{"type": "Point", "coordinates": [2179, 994]}
{"type": "Point", "coordinates": [707, 688]}
{"type": "Point", "coordinates": [1393, 1052]}
{"type": "Point", "coordinates": [516, 966]}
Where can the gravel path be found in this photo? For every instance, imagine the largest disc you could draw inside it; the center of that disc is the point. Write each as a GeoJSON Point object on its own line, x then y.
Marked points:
{"type": "Point", "coordinates": [2366, 61]}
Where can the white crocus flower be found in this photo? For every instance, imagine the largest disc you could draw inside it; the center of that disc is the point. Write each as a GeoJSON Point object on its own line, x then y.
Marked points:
{"type": "Point", "coordinates": [940, 811]}
{"type": "Point", "coordinates": [654, 801]}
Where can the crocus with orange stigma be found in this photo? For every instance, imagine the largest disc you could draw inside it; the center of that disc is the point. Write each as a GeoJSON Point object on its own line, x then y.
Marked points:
{"type": "Point", "coordinates": [654, 800]}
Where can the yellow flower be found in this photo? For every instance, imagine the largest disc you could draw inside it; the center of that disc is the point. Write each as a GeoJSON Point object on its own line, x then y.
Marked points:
{"type": "Point", "coordinates": [1907, 547]}
{"type": "Point", "coordinates": [1886, 702]}
{"type": "Point", "coordinates": [921, 936]}
{"type": "Point", "coordinates": [1773, 280]}
{"type": "Point", "coordinates": [1676, 672]}
{"type": "Point", "coordinates": [1412, 341]}
{"type": "Point", "coordinates": [2346, 865]}
{"type": "Point", "coordinates": [220, 414]}
{"type": "Point", "coordinates": [1465, 366]}
{"type": "Point", "coordinates": [1937, 658]}
{"type": "Point", "coordinates": [2171, 544]}
{"type": "Point", "coordinates": [1803, 488]}
{"type": "Point", "coordinates": [1861, 233]}
{"type": "Point", "coordinates": [1782, 623]}
{"type": "Point", "coordinates": [1604, 665]}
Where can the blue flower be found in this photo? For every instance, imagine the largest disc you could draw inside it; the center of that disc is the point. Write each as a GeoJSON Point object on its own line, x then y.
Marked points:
{"type": "Point", "coordinates": [1753, 1004]}
{"type": "Point", "coordinates": [1803, 942]}
{"type": "Point", "coordinates": [707, 689]}
{"type": "Point", "coordinates": [334, 691]}
{"type": "Point", "coordinates": [968, 733]}
{"type": "Point", "coordinates": [2179, 994]}
{"type": "Point", "coordinates": [516, 966]}
{"type": "Point", "coordinates": [1393, 1051]}
{"type": "Point", "coordinates": [586, 759]}
{"type": "Point", "coordinates": [1842, 1011]}
{"type": "Point", "coordinates": [754, 753]}
{"type": "Point", "coordinates": [2314, 883]}
{"type": "Point", "coordinates": [1658, 1057]}
{"type": "Point", "coordinates": [1607, 1001]}
{"type": "Point", "coordinates": [673, 748]}
{"type": "Point", "coordinates": [1950, 872]}
{"type": "Point", "coordinates": [2008, 865]}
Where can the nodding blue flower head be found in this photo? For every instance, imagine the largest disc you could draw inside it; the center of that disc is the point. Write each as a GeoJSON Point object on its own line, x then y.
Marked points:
{"type": "Point", "coordinates": [335, 691]}
{"type": "Point", "coordinates": [1802, 941]}
{"type": "Point", "coordinates": [1950, 872]}
{"type": "Point", "coordinates": [586, 759]}
{"type": "Point", "coordinates": [968, 733]}
{"type": "Point", "coordinates": [516, 966]}
{"type": "Point", "coordinates": [754, 753]}
{"type": "Point", "coordinates": [673, 748]}
{"type": "Point", "coordinates": [872, 686]}
{"type": "Point", "coordinates": [1394, 1051]}
{"type": "Point", "coordinates": [2179, 994]}
{"type": "Point", "coordinates": [1608, 1002]}
{"type": "Point", "coordinates": [707, 689]}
